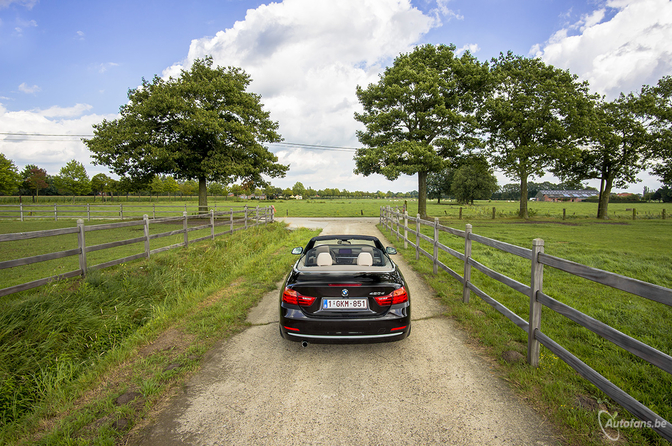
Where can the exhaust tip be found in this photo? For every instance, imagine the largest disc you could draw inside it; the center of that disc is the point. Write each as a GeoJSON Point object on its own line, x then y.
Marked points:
{"type": "Point", "coordinates": [304, 344]}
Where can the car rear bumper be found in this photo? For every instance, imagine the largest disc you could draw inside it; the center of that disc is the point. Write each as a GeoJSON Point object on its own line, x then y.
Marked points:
{"type": "Point", "coordinates": [394, 326]}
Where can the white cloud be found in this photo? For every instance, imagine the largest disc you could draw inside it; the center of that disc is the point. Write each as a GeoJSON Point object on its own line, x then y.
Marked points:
{"type": "Point", "coordinates": [471, 47]}
{"type": "Point", "coordinates": [49, 152]}
{"type": "Point", "coordinates": [103, 67]}
{"type": "Point", "coordinates": [25, 88]}
{"type": "Point", "coordinates": [306, 58]}
{"type": "Point", "coordinates": [619, 54]}
{"type": "Point", "coordinates": [27, 3]}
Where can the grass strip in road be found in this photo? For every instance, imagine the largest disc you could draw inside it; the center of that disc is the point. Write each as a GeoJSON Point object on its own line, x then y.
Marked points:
{"type": "Point", "coordinates": [71, 350]}
{"type": "Point", "coordinates": [637, 249]}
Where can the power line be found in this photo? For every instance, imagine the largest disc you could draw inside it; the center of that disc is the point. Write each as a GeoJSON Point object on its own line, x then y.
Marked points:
{"type": "Point", "coordinates": [18, 137]}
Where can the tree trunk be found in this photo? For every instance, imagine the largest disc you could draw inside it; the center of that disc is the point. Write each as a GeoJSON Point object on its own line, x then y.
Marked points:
{"type": "Point", "coordinates": [604, 199]}
{"type": "Point", "coordinates": [523, 197]}
{"type": "Point", "coordinates": [422, 194]}
{"type": "Point", "coordinates": [202, 196]}
{"type": "Point", "coordinates": [599, 199]}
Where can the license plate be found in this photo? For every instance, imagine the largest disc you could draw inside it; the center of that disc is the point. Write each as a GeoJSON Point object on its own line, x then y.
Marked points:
{"type": "Point", "coordinates": [345, 304]}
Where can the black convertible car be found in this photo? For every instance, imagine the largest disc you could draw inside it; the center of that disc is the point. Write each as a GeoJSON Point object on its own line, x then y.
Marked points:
{"type": "Point", "coordinates": [345, 289]}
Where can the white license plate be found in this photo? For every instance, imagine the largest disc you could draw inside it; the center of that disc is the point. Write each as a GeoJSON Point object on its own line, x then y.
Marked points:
{"type": "Point", "coordinates": [345, 304]}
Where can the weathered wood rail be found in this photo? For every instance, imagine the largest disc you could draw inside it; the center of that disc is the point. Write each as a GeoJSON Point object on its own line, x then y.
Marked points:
{"type": "Point", "coordinates": [397, 223]}
{"type": "Point", "coordinates": [237, 220]}
{"type": "Point", "coordinates": [90, 211]}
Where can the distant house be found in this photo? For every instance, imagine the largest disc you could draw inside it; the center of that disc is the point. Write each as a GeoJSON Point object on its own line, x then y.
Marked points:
{"type": "Point", "coordinates": [565, 195]}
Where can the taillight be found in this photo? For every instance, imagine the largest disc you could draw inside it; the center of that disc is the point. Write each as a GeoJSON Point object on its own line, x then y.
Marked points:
{"type": "Point", "coordinates": [293, 297]}
{"type": "Point", "coordinates": [395, 297]}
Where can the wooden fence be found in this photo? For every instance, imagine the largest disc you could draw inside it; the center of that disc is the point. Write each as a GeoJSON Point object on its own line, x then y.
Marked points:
{"type": "Point", "coordinates": [237, 220]}
{"type": "Point", "coordinates": [90, 211]}
{"type": "Point", "coordinates": [397, 223]}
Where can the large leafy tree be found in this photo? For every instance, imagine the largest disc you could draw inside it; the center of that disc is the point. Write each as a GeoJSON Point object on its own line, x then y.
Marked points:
{"type": "Point", "coordinates": [72, 179]}
{"type": "Point", "coordinates": [9, 175]}
{"type": "Point", "coordinates": [617, 151]}
{"type": "Point", "coordinates": [535, 116]}
{"type": "Point", "coordinates": [657, 107]}
{"type": "Point", "coordinates": [419, 114]}
{"type": "Point", "coordinates": [202, 126]}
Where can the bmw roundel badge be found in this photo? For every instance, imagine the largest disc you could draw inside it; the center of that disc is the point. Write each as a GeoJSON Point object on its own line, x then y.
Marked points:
{"type": "Point", "coordinates": [344, 292]}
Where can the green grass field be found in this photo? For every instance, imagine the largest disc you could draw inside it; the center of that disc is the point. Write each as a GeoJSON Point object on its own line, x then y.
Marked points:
{"type": "Point", "coordinates": [56, 327]}
{"type": "Point", "coordinates": [639, 249]}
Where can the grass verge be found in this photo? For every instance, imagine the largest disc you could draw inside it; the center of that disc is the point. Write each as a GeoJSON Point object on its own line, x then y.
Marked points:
{"type": "Point", "coordinates": [81, 361]}
{"type": "Point", "coordinates": [638, 250]}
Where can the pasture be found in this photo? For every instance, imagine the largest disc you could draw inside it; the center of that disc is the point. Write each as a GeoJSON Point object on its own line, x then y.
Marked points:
{"type": "Point", "coordinates": [636, 248]}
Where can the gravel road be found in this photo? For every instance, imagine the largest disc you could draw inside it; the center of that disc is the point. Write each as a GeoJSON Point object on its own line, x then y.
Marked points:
{"type": "Point", "coordinates": [431, 388]}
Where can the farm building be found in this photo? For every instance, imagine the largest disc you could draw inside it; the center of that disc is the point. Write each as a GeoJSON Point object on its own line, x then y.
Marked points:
{"type": "Point", "coordinates": [565, 195]}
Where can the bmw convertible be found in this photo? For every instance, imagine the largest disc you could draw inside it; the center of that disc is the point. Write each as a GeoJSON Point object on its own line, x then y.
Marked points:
{"type": "Point", "coordinates": [345, 289]}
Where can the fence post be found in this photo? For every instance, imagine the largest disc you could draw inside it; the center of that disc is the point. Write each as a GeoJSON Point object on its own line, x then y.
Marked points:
{"type": "Point", "coordinates": [536, 284]}
{"type": "Point", "coordinates": [634, 214]}
{"type": "Point", "coordinates": [121, 211]}
{"type": "Point", "coordinates": [436, 245]}
{"type": "Point", "coordinates": [460, 213]}
{"type": "Point", "coordinates": [417, 236]}
{"type": "Point", "coordinates": [21, 211]}
{"type": "Point", "coordinates": [88, 211]}
{"type": "Point", "coordinates": [256, 216]}
{"type": "Point", "coordinates": [184, 226]}
{"type": "Point", "coordinates": [81, 241]}
{"type": "Point", "coordinates": [494, 212]}
{"type": "Point", "coordinates": [245, 216]}
{"type": "Point", "coordinates": [145, 219]}
{"type": "Point", "coordinates": [467, 266]}
{"type": "Point", "coordinates": [212, 224]}
{"type": "Point", "coordinates": [55, 212]}
{"type": "Point", "coordinates": [662, 214]}
{"type": "Point", "coordinates": [405, 229]}
{"type": "Point", "coordinates": [231, 220]}
{"type": "Point", "coordinates": [154, 210]}
{"type": "Point", "coordinates": [396, 221]}
{"type": "Point", "coordinates": [380, 217]}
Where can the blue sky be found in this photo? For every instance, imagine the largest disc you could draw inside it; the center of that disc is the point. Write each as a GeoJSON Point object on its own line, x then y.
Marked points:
{"type": "Point", "coordinates": [66, 65]}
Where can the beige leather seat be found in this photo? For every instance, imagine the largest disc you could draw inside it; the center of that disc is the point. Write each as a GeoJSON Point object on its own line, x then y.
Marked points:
{"type": "Point", "coordinates": [324, 259]}
{"type": "Point", "coordinates": [364, 259]}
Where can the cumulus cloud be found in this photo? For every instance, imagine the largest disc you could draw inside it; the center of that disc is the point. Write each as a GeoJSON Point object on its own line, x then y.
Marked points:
{"type": "Point", "coordinates": [306, 58]}
{"type": "Point", "coordinates": [617, 48]}
{"type": "Point", "coordinates": [49, 152]}
{"type": "Point", "coordinates": [25, 88]}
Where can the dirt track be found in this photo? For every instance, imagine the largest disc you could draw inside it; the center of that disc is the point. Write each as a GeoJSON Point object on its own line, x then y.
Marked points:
{"type": "Point", "coordinates": [432, 388]}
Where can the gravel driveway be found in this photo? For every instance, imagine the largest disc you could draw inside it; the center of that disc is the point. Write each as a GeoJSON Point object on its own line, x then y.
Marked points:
{"type": "Point", "coordinates": [432, 388]}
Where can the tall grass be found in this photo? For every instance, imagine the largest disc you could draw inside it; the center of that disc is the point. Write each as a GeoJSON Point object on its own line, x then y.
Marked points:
{"type": "Point", "coordinates": [52, 337]}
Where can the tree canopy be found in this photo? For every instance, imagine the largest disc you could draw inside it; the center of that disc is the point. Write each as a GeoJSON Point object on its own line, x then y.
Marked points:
{"type": "Point", "coordinates": [658, 109]}
{"type": "Point", "coordinates": [473, 180]}
{"type": "Point", "coordinates": [201, 126]}
{"type": "Point", "coordinates": [535, 116]}
{"type": "Point", "coordinates": [617, 149]}
{"type": "Point", "coordinates": [72, 179]}
{"type": "Point", "coordinates": [9, 175]}
{"type": "Point", "coordinates": [419, 114]}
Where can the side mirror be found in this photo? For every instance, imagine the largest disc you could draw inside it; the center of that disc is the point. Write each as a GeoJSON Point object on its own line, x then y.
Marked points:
{"type": "Point", "coordinates": [390, 250]}
{"type": "Point", "coordinates": [297, 251]}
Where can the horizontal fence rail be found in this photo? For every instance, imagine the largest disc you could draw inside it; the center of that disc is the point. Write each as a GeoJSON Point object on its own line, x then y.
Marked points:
{"type": "Point", "coordinates": [232, 220]}
{"type": "Point", "coordinates": [94, 211]}
{"type": "Point", "coordinates": [397, 223]}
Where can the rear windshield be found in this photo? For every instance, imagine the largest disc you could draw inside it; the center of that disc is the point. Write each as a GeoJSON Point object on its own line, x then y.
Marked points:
{"type": "Point", "coordinates": [360, 254]}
